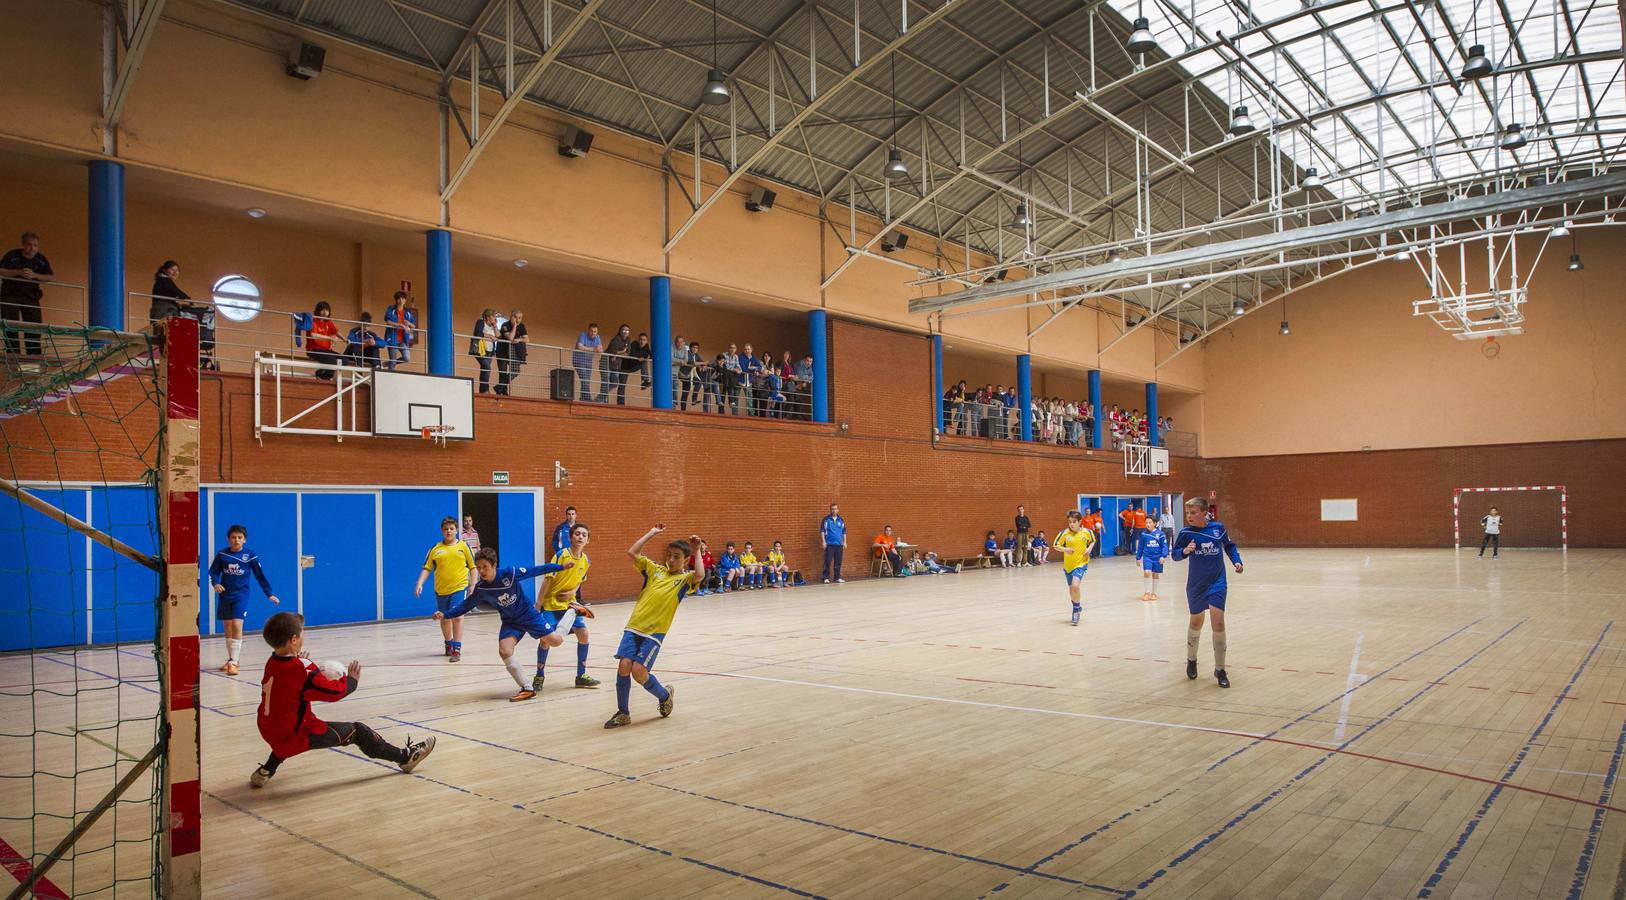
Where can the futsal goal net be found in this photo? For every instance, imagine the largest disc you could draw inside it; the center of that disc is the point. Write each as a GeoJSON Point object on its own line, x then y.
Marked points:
{"type": "Point", "coordinates": [1531, 515]}
{"type": "Point", "coordinates": [98, 612]}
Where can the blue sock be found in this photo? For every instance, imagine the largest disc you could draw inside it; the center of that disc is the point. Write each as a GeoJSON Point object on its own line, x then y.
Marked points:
{"type": "Point", "coordinates": [581, 660]}
{"type": "Point", "coordinates": [653, 685]}
{"type": "Point", "coordinates": [623, 692]}
{"type": "Point", "coordinates": [456, 645]}
{"type": "Point", "coordinates": [541, 657]}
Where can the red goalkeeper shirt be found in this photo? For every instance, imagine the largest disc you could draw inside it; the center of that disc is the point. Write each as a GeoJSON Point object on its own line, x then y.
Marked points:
{"type": "Point", "coordinates": [287, 690]}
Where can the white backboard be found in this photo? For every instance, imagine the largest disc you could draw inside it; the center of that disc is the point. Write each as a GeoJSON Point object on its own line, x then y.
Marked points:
{"type": "Point", "coordinates": [404, 403]}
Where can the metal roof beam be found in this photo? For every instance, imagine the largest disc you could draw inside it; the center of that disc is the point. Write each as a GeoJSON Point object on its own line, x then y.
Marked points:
{"type": "Point", "coordinates": [146, 23]}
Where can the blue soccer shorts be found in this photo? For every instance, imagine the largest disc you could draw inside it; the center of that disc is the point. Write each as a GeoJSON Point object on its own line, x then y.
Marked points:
{"type": "Point", "coordinates": [555, 616]}
{"type": "Point", "coordinates": [1152, 565]}
{"type": "Point", "coordinates": [640, 648]}
{"type": "Point", "coordinates": [230, 608]}
{"type": "Point", "coordinates": [445, 602]}
{"type": "Point", "coordinates": [1214, 597]}
{"type": "Point", "coordinates": [1076, 575]}
{"type": "Point", "coordinates": [538, 627]}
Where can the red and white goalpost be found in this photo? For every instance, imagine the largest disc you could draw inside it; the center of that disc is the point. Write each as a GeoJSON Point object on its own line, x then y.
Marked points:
{"type": "Point", "coordinates": [1563, 509]}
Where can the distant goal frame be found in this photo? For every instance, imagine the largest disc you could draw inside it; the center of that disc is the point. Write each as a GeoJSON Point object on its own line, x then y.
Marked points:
{"type": "Point", "coordinates": [1563, 508]}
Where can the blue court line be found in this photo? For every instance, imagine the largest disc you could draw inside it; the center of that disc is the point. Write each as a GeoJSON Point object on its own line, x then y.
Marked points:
{"type": "Point", "coordinates": [1518, 760]}
{"type": "Point", "coordinates": [1584, 864]}
{"type": "Point", "coordinates": [1099, 830]}
{"type": "Point", "coordinates": [783, 815]}
{"type": "Point", "coordinates": [755, 879]}
{"type": "Point", "coordinates": [1259, 804]}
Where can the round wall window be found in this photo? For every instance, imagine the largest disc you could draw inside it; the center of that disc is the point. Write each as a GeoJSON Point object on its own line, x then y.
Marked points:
{"type": "Point", "coordinates": [237, 298]}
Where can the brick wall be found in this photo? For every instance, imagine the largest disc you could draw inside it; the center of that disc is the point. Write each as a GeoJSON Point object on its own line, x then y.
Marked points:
{"type": "Point", "coordinates": [727, 478]}
{"type": "Point", "coordinates": [1405, 495]}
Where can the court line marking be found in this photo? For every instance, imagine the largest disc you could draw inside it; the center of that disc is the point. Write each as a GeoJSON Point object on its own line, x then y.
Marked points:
{"type": "Point", "coordinates": [1583, 866]}
{"type": "Point", "coordinates": [1304, 773]}
{"type": "Point", "coordinates": [1518, 760]}
{"type": "Point", "coordinates": [11, 859]}
{"type": "Point", "coordinates": [1349, 686]}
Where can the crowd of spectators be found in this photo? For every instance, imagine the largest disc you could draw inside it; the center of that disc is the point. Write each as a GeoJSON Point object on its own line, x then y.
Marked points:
{"type": "Point", "coordinates": [739, 381]}
{"type": "Point", "coordinates": [992, 411]}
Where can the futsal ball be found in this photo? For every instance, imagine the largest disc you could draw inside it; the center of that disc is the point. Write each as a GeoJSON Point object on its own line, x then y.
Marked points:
{"type": "Point", "coordinates": [334, 669]}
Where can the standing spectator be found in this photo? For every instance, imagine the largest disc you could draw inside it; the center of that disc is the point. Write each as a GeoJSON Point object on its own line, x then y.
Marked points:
{"type": "Point", "coordinates": [637, 359]}
{"type": "Point", "coordinates": [1165, 521]}
{"type": "Point", "coordinates": [470, 535]}
{"type": "Point", "coordinates": [588, 343]}
{"type": "Point", "coordinates": [561, 534]}
{"type": "Point", "coordinates": [686, 368]}
{"type": "Point", "coordinates": [21, 271]}
{"type": "Point", "coordinates": [713, 376]}
{"type": "Point", "coordinates": [886, 547]}
{"type": "Point", "coordinates": [733, 378]}
{"type": "Point", "coordinates": [513, 348]}
{"type": "Point", "coordinates": [400, 328]}
{"type": "Point", "coordinates": [954, 408]}
{"type": "Point", "coordinates": [802, 378]}
{"type": "Point", "coordinates": [786, 369]}
{"type": "Point", "coordinates": [1023, 524]}
{"type": "Point", "coordinates": [833, 538]}
{"type": "Point", "coordinates": [361, 344]}
{"type": "Point", "coordinates": [321, 335]}
{"type": "Point", "coordinates": [483, 345]}
{"type": "Point", "coordinates": [751, 368]}
{"type": "Point", "coordinates": [1126, 526]}
{"type": "Point", "coordinates": [610, 374]}
{"type": "Point", "coordinates": [1008, 414]}
{"type": "Point", "coordinates": [167, 297]}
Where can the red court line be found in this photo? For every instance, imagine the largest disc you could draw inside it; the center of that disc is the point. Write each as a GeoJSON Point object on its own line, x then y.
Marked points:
{"type": "Point", "coordinates": [20, 869]}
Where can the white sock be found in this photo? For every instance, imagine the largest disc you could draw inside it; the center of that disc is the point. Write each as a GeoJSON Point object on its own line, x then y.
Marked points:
{"type": "Point", "coordinates": [1219, 649]}
{"type": "Point", "coordinates": [518, 671]}
{"type": "Point", "coordinates": [233, 647]}
{"type": "Point", "coordinates": [1146, 582]}
{"type": "Point", "coordinates": [1194, 637]}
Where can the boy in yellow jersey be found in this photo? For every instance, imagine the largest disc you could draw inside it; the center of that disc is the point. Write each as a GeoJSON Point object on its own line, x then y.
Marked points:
{"type": "Point", "coordinates": [778, 571]}
{"type": "Point", "coordinates": [1074, 542]}
{"type": "Point", "coordinates": [557, 593]}
{"type": "Point", "coordinates": [665, 586]}
{"type": "Point", "coordinates": [753, 568]}
{"type": "Point", "coordinates": [453, 565]}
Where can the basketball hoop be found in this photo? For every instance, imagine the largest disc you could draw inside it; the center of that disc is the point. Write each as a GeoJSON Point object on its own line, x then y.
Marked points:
{"type": "Point", "coordinates": [437, 433]}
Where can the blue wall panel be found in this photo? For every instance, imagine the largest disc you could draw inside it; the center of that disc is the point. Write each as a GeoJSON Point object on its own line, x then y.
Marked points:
{"type": "Point", "coordinates": [124, 593]}
{"type": "Point", "coordinates": [270, 520]}
{"type": "Point", "coordinates": [411, 526]}
{"type": "Point", "coordinates": [517, 514]}
{"type": "Point", "coordinates": [42, 585]}
{"type": "Point", "coordinates": [341, 533]}
{"type": "Point", "coordinates": [1110, 507]}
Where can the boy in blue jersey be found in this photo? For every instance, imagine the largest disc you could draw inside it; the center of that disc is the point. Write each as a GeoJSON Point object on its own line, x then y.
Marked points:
{"type": "Point", "coordinates": [730, 569]}
{"type": "Point", "coordinates": [665, 586]}
{"type": "Point", "coordinates": [1151, 546]}
{"type": "Point", "coordinates": [1074, 541]}
{"type": "Point", "coordinates": [228, 574]}
{"type": "Point", "coordinates": [1208, 544]}
{"type": "Point", "coordinates": [502, 590]}
{"type": "Point", "coordinates": [1007, 551]}
{"type": "Point", "coordinates": [990, 546]}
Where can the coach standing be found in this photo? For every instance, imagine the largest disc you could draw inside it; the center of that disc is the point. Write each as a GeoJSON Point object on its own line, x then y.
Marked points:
{"type": "Point", "coordinates": [561, 533]}
{"type": "Point", "coordinates": [1023, 525]}
{"type": "Point", "coordinates": [833, 536]}
{"type": "Point", "coordinates": [21, 271]}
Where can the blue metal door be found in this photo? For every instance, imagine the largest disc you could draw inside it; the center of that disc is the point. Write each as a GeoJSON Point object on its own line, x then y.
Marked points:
{"type": "Point", "coordinates": [42, 585]}
{"type": "Point", "coordinates": [124, 593]}
{"type": "Point", "coordinates": [340, 534]}
{"type": "Point", "coordinates": [270, 520]}
{"type": "Point", "coordinates": [411, 527]}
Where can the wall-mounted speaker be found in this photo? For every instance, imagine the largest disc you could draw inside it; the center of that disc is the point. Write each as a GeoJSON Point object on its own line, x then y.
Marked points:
{"type": "Point", "coordinates": [897, 240]}
{"type": "Point", "coordinates": [575, 142]}
{"type": "Point", "coordinates": [760, 200]}
{"type": "Point", "coordinates": [305, 61]}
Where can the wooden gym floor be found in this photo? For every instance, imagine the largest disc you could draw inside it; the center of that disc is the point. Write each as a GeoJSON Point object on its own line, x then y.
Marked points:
{"type": "Point", "coordinates": [1401, 724]}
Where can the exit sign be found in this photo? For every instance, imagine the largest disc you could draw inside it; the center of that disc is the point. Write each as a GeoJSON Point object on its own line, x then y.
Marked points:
{"type": "Point", "coordinates": [499, 478]}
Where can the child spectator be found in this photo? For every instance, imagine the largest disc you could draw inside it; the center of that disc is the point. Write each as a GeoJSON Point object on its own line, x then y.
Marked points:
{"type": "Point", "coordinates": [400, 329]}
{"type": "Point", "coordinates": [320, 337]}
{"type": "Point", "coordinates": [361, 344]}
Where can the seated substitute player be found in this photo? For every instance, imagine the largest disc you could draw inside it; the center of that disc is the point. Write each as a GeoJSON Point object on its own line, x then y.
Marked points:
{"type": "Point", "coordinates": [665, 586]}
{"type": "Point", "coordinates": [730, 569]}
{"type": "Point", "coordinates": [1151, 545]}
{"type": "Point", "coordinates": [291, 684]}
{"type": "Point", "coordinates": [1205, 541]}
{"type": "Point", "coordinates": [1039, 549]}
{"type": "Point", "coordinates": [778, 570]}
{"type": "Point", "coordinates": [1074, 542]}
{"type": "Point", "coordinates": [501, 590]}
{"type": "Point", "coordinates": [753, 568]}
{"type": "Point", "coordinates": [453, 564]}
{"type": "Point", "coordinates": [228, 573]}
{"type": "Point", "coordinates": [559, 590]}
{"type": "Point", "coordinates": [1007, 551]}
{"type": "Point", "coordinates": [990, 546]}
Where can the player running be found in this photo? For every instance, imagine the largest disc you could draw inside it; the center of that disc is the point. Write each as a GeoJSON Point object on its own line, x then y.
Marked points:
{"type": "Point", "coordinates": [1074, 541]}
{"type": "Point", "coordinates": [501, 590]}
{"type": "Point", "coordinates": [229, 574]}
{"type": "Point", "coordinates": [559, 591]}
{"type": "Point", "coordinates": [1204, 541]}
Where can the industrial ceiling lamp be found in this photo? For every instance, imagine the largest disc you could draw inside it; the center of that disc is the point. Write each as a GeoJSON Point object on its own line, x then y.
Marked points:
{"type": "Point", "coordinates": [1115, 255]}
{"type": "Point", "coordinates": [1562, 229]}
{"type": "Point", "coordinates": [1240, 123]}
{"type": "Point", "coordinates": [1239, 307]}
{"type": "Point", "coordinates": [1513, 137]}
{"type": "Point", "coordinates": [895, 167]}
{"type": "Point", "coordinates": [716, 92]}
{"type": "Point", "coordinates": [1477, 65]}
{"type": "Point", "coordinates": [1021, 220]}
{"type": "Point", "coordinates": [1140, 38]}
{"type": "Point", "coordinates": [1312, 179]}
{"type": "Point", "coordinates": [1575, 257]}
{"type": "Point", "coordinates": [1186, 284]}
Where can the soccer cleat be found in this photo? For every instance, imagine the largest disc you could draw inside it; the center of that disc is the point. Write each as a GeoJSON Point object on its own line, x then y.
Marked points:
{"type": "Point", "coordinates": [1219, 675]}
{"type": "Point", "coordinates": [260, 777]}
{"type": "Point", "coordinates": [232, 668]}
{"type": "Point", "coordinates": [583, 612]}
{"type": "Point", "coordinates": [417, 752]}
{"type": "Point", "coordinates": [457, 655]}
{"type": "Point", "coordinates": [586, 681]}
{"type": "Point", "coordinates": [1076, 612]}
{"type": "Point", "coordinates": [666, 705]}
{"type": "Point", "coordinates": [618, 720]}
{"type": "Point", "coordinates": [1191, 669]}
{"type": "Point", "coordinates": [521, 695]}
{"type": "Point", "coordinates": [225, 666]}
{"type": "Point", "coordinates": [536, 684]}
{"type": "Point", "coordinates": [445, 648]}
{"type": "Point", "coordinates": [1154, 595]}
{"type": "Point", "coordinates": [841, 581]}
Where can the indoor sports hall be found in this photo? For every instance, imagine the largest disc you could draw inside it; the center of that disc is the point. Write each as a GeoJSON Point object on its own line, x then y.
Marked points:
{"type": "Point", "coordinates": [1055, 448]}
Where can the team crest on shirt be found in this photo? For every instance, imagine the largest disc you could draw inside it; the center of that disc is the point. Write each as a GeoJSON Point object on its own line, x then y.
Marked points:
{"type": "Point", "coordinates": [233, 568]}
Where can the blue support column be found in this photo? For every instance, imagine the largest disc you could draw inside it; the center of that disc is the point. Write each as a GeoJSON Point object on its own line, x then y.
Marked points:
{"type": "Point", "coordinates": [660, 337]}
{"type": "Point", "coordinates": [1151, 413]}
{"type": "Point", "coordinates": [937, 384]}
{"type": "Point", "coordinates": [1095, 404]}
{"type": "Point", "coordinates": [440, 325]}
{"type": "Point", "coordinates": [107, 245]}
{"type": "Point", "coordinates": [1024, 393]}
{"type": "Point", "coordinates": [818, 346]}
